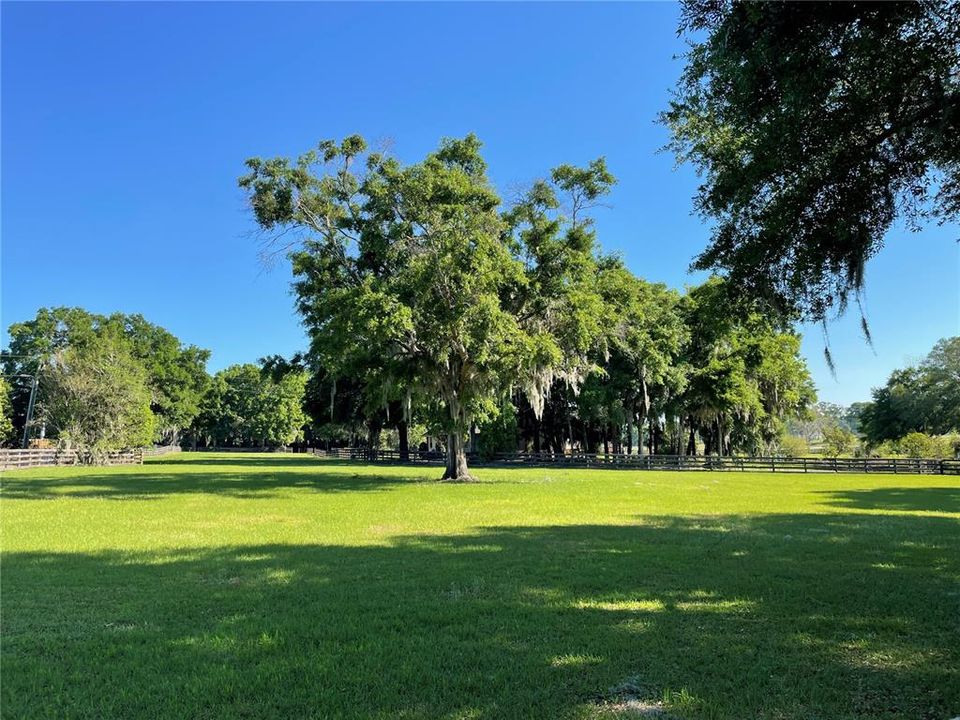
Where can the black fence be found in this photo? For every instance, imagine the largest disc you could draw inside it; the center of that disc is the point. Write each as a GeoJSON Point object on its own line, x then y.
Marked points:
{"type": "Point", "coordinates": [896, 466]}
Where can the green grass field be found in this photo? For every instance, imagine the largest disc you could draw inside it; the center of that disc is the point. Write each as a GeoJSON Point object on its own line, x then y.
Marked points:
{"type": "Point", "coordinates": [247, 586]}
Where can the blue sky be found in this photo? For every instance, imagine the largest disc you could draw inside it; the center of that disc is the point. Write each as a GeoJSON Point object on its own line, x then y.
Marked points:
{"type": "Point", "coordinates": [125, 126]}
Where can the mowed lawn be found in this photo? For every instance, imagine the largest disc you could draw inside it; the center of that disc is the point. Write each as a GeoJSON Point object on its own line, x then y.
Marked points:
{"type": "Point", "coordinates": [247, 586]}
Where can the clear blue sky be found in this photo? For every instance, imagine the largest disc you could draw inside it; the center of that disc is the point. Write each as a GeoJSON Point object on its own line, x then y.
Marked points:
{"type": "Point", "coordinates": [125, 126]}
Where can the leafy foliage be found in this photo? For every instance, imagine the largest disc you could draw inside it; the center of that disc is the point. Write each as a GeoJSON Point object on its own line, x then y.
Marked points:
{"type": "Point", "coordinates": [815, 125]}
{"type": "Point", "coordinates": [837, 441]}
{"type": "Point", "coordinates": [412, 283]}
{"type": "Point", "coordinates": [793, 446]}
{"type": "Point", "coordinates": [7, 432]}
{"type": "Point", "coordinates": [925, 398]}
{"type": "Point", "coordinates": [176, 373]}
{"type": "Point", "coordinates": [249, 406]}
{"type": "Point", "coordinates": [96, 398]}
{"type": "Point", "coordinates": [745, 374]}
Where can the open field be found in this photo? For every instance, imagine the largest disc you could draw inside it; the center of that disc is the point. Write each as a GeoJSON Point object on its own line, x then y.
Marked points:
{"type": "Point", "coordinates": [230, 586]}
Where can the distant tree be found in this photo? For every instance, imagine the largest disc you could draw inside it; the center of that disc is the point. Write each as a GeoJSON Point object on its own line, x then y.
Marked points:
{"type": "Point", "coordinates": [895, 409]}
{"type": "Point", "coordinates": [792, 446]}
{"type": "Point", "coordinates": [96, 398]}
{"type": "Point", "coordinates": [8, 435]}
{"type": "Point", "coordinates": [411, 282]}
{"type": "Point", "coordinates": [745, 375]}
{"type": "Point", "coordinates": [247, 405]}
{"type": "Point", "coordinates": [645, 337]}
{"type": "Point", "coordinates": [924, 398]}
{"type": "Point", "coordinates": [810, 426]}
{"type": "Point", "coordinates": [285, 417]}
{"type": "Point", "coordinates": [940, 372]}
{"type": "Point", "coordinates": [837, 441]}
{"type": "Point", "coordinates": [176, 373]}
{"type": "Point", "coordinates": [853, 416]}
{"type": "Point", "coordinates": [815, 125]}
{"type": "Point", "coordinates": [33, 343]}
{"type": "Point", "coordinates": [917, 445]}
{"type": "Point", "coordinates": [277, 367]}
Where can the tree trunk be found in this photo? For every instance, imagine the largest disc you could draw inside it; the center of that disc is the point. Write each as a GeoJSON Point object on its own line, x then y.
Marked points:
{"type": "Point", "coordinates": [456, 460]}
{"type": "Point", "coordinates": [403, 435]}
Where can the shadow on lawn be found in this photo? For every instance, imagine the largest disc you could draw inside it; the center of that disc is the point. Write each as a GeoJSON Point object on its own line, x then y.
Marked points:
{"type": "Point", "coordinates": [930, 499]}
{"type": "Point", "coordinates": [152, 482]}
{"type": "Point", "coordinates": [840, 617]}
{"type": "Point", "coordinates": [282, 461]}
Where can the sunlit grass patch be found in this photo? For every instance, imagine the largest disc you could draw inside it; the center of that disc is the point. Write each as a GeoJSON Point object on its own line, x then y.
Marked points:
{"type": "Point", "coordinates": [284, 586]}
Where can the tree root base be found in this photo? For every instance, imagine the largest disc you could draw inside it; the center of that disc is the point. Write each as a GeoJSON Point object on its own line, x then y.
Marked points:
{"type": "Point", "coordinates": [459, 479]}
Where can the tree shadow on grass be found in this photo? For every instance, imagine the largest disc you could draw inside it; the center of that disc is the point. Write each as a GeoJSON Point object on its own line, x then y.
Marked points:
{"type": "Point", "coordinates": [273, 460]}
{"type": "Point", "coordinates": [791, 616]}
{"type": "Point", "coordinates": [151, 483]}
{"type": "Point", "coordinates": [930, 499]}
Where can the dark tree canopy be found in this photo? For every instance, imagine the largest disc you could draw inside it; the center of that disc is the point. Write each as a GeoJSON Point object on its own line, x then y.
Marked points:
{"type": "Point", "coordinates": [414, 283]}
{"type": "Point", "coordinates": [924, 398]}
{"type": "Point", "coordinates": [176, 372]}
{"type": "Point", "coordinates": [814, 126]}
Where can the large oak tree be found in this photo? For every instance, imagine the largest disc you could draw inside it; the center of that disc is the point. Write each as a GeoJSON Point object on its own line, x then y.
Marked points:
{"type": "Point", "coordinates": [414, 279]}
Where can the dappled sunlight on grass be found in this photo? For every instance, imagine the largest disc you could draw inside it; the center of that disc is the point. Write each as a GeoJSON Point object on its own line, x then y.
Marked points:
{"type": "Point", "coordinates": [622, 605]}
{"type": "Point", "coordinates": [291, 591]}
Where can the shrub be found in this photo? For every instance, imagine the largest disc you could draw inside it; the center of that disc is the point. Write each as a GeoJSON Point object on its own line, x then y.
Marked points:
{"type": "Point", "coordinates": [921, 445]}
{"type": "Point", "coordinates": [793, 446]}
{"type": "Point", "coordinates": [838, 441]}
{"type": "Point", "coordinates": [916, 445]}
{"type": "Point", "coordinates": [97, 400]}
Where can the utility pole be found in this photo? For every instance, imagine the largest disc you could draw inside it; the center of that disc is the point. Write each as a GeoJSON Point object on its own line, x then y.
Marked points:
{"type": "Point", "coordinates": [30, 405]}
{"type": "Point", "coordinates": [34, 383]}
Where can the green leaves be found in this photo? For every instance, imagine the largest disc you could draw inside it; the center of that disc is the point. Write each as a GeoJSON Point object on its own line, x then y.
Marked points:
{"type": "Point", "coordinates": [414, 281]}
{"type": "Point", "coordinates": [96, 398]}
{"type": "Point", "coordinates": [814, 126]}
{"type": "Point", "coordinates": [176, 373]}
{"type": "Point", "coordinates": [247, 405]}
{"type": "Point", "coordinates": [922, 398]}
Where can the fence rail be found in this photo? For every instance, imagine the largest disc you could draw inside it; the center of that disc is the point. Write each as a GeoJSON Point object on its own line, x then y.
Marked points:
{"type": "Point", "coordinates": [923, 466]}
{"type": "Point", "coordinates": [161, 450]}
{"type": "Point", "coordinates": [41, 457]}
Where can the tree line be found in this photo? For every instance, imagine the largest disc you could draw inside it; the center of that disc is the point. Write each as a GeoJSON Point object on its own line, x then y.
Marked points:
{"type": "Point", "coordinates": [428, 300]}
{"type": "Point", "coordinates": [916, 413]}
{"type": "Point", "coordinates": [106, 383]}
{"type": "Point", "coordinates": [431, 304]}
{"type": "Point", "coordinates": [115, 382]}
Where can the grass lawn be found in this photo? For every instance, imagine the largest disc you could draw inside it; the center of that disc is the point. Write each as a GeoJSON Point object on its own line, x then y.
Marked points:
{"type": "Point", "coordinates": [245, 586]}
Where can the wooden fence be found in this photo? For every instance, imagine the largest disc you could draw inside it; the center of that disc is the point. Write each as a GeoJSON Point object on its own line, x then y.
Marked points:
{"type": "Point", "coordinates": [923, 466]}
{"type": "Point", "coordinates": [37, 457]}
{"type": "Point", "coordinates": [161, 450]}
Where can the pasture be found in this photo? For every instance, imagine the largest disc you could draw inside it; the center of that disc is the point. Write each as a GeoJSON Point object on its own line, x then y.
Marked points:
{"type": "Point", "coordinates": [272, 586]}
